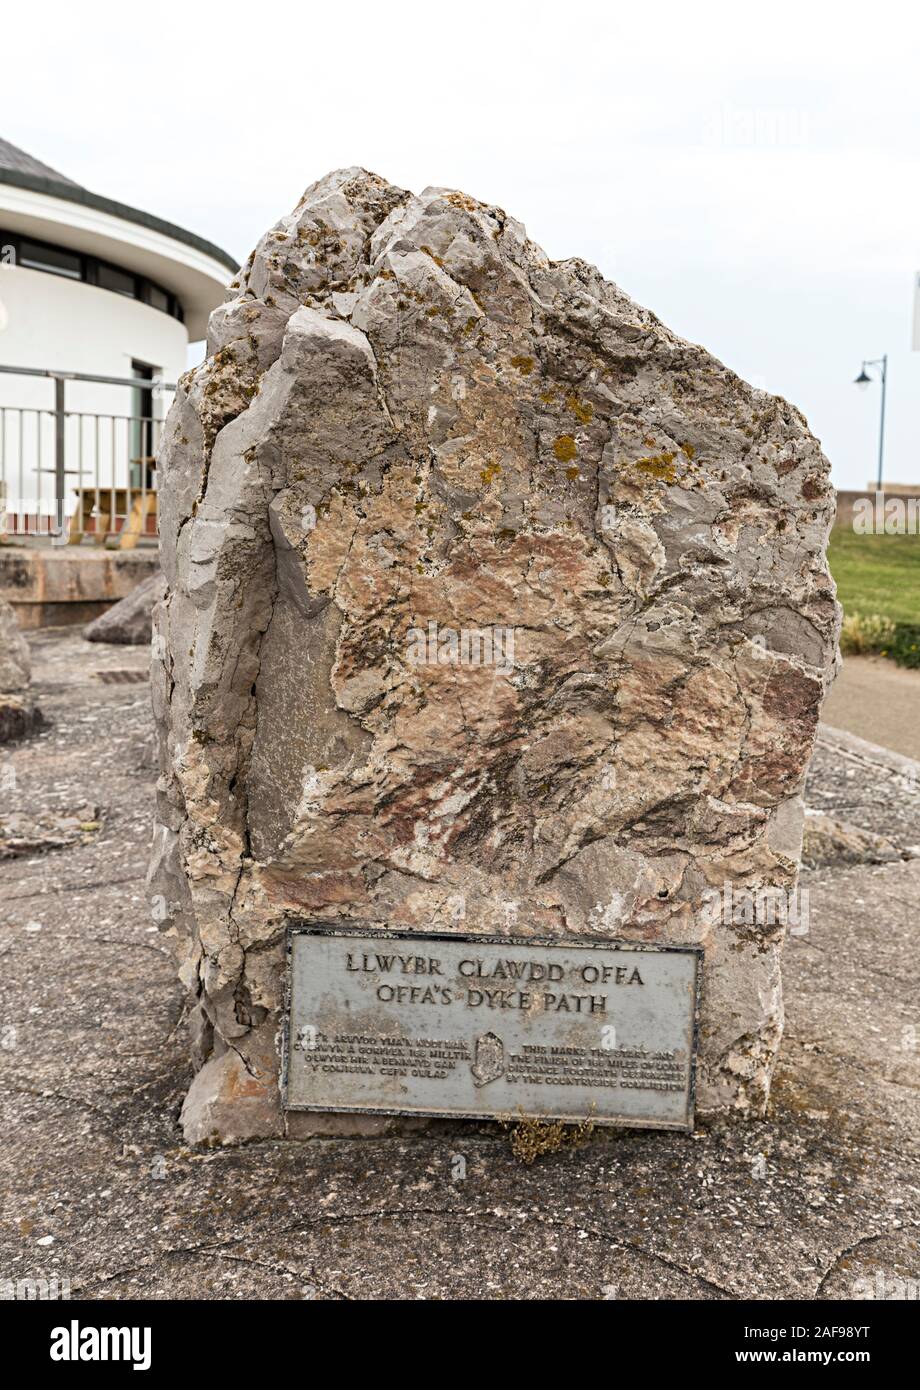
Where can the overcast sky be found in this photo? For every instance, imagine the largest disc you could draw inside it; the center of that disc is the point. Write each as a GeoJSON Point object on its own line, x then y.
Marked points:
{"type": "Point", "coordinates": [749, 173]}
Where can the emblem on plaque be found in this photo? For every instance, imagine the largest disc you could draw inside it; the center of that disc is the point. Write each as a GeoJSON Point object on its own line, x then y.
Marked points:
{"type": "Point", "coordinates": [488, 1059]}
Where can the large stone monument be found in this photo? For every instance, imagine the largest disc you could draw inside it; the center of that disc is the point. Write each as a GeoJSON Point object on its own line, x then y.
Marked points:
{"type": "Point", "coordinates": [494, 608]}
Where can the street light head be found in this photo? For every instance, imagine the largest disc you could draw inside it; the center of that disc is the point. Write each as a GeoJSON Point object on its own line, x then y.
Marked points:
{"type": "Point", "coordinates": [863, 380]}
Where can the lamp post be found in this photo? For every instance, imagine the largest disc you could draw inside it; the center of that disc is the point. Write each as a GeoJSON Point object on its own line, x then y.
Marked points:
{"type": "Point", "coordinates": [862, 381]}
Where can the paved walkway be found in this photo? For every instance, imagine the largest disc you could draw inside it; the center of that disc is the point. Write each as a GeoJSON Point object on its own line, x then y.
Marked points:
{"type": "Point", "coordinates": [823, 1193]}
{"type": "Point", "coordinates": [878, 701]}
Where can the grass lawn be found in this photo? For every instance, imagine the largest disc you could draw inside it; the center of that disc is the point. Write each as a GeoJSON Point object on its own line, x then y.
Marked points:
{"type": "Point", "coordinates": [877, 574]}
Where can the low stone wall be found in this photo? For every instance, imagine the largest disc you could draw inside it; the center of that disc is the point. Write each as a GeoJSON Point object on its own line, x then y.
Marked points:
{"type": "Point", "coordinates": [847, 499]}
{"type": "Point", "coordinates": [54, 586]}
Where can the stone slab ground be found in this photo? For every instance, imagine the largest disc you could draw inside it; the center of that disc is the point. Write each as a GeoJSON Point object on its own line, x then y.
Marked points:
{"type": "Point", "coordinates": [824, 1192]}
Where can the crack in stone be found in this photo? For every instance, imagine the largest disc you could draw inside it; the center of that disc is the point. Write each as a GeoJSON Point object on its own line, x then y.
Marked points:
{"type": "Point", "coordinates": [848, 1250]}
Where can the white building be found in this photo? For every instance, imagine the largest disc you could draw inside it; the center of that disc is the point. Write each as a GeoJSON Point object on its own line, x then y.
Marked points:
{"type": "Point", "coordinates": [90, 287]}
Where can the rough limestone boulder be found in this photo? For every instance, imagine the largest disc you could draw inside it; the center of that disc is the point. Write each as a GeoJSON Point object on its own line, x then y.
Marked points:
{"type": "Point", "coordinates": [15, 661]}
{"type": "Point", "coordinates": [129, 622]}
{"type": "Point", "coordinates": [829, 842]}
{"type": "Point", "coordinates": [19, 714]}
{"type": "Point", "coordinates": [411, 423]}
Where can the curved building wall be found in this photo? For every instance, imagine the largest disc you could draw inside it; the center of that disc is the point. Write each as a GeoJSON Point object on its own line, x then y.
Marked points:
{"type": "Point", "coordinates": [188, 267]}
{"type": "Point", "coordinates": [50, 322]}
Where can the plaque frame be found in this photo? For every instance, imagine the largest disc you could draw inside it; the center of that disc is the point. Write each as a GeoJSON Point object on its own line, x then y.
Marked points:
{"type": "Point", "coordinates": [316, 927]}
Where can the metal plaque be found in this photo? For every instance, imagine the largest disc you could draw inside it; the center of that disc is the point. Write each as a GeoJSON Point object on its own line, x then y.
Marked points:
{"type": "Point", "coordinates": [480, 1027]}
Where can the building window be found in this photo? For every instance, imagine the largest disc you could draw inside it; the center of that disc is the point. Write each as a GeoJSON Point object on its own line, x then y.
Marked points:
{"type": "Point", "coordinates": [158, 299]}
{"type": "Point", "coordinates": [35, 255]}
{"type": "Point", "coordinates": [142, 449]}
{"type": "Point", "coordinates": [109, 277]}
{"type": "Point", "coordinates": [59, 260]}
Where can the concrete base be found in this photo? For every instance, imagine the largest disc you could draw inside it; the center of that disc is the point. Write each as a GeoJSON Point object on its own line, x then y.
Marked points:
{"type": "Point", "coordinates": [55, 586]}
{"type": "Point", "coordinates": [820, 1200]}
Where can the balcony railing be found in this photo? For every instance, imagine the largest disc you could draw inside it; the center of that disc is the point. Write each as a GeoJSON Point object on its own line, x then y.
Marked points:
{"type": "Point", "coordinates": [75, 475]}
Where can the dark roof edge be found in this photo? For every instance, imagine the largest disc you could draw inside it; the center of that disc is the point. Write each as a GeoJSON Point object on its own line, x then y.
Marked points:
{"type": "Point", "coordinates": [73, 193]}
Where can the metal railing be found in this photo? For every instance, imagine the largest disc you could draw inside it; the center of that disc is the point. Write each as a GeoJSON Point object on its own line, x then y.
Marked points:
{"type": "Point", "coordinates": [65, 474]}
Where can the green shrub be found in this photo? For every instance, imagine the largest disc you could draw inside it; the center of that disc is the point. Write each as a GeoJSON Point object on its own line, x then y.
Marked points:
{"type": "Point", "coordinates": [863, 633]}
{"type": "Point", "coordinates": [905, 646]}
